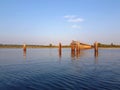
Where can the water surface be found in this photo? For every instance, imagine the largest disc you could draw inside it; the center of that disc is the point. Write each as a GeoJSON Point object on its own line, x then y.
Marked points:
{"type": "Point", "coordinates": [46, 69]}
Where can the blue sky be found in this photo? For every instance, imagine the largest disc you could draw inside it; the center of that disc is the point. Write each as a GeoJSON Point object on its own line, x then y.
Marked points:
{"type": "Point", "coordinates": [54, 21]}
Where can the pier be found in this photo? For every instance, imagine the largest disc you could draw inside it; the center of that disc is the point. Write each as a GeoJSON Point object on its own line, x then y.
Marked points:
{"type": "Point", "coordinates": [76, 47]}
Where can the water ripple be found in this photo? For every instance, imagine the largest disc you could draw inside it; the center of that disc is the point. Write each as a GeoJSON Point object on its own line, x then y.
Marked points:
{"type": "Point", "coordinates": [47, 73]}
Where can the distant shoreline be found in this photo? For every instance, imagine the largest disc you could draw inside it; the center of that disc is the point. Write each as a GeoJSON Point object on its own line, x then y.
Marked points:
{"type": "Point", "coordinates": [32, 46]}
{"type": "Point", "coordinates": [47, 46]}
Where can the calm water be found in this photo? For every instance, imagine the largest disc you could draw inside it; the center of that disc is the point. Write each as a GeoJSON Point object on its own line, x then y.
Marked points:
{"type": "Point", "coordinates": [45, 69]}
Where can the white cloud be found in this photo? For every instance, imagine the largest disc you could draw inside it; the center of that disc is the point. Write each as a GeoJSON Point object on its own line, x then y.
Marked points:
{"type": "Point", "coordinates": [69, 16]}
{"type": "Point", "coordinates": [75, 20]}
{"type": "Point", "coordinates": [76, 26]}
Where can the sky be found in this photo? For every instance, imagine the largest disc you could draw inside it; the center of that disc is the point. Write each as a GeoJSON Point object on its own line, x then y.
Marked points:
{"type": "Point", "coordinates": [53, 21]}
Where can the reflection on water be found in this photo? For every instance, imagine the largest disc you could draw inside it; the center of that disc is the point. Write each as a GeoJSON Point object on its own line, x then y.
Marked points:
{"type": "Point", "coordinates": [96, 57]}
{"type": "Point", "coordinates": [42, 71]}
{"type": "Point", "coordinates": [78, 54]}
{"type": "Point", "coordinates": [60, 53]}
{"type": "Point", "coordinates": [75, 55]}
{"type": "Point", "coordinates": [24, 54]}
{"type": "Point", "coordinates": [96, 54]}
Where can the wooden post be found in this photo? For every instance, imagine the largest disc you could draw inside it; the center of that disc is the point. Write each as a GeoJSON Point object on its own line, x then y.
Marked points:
{"type": "Point", "coordinates": [77, 49]}
{"type": "Point", "coordinates": [73, 50]}
{"type": "Point", "coordinates": [60, 49]}
{"type": "Point", "coordinates": [78, 46]}
{"type": "Point", "coordinates": [96, 46]}
{"type": "Point", "coordinates": [24, 47]}
{"type": "Point", "coordinates": [72, 47]}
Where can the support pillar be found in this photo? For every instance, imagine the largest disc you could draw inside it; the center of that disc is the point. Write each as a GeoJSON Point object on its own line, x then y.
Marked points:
{"type": "Point", "coordinates": [24, 47]}
{"type": "Point", "coordinates": [96, 47]}
{"type": "Point", "coordinates": [60, 49]}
